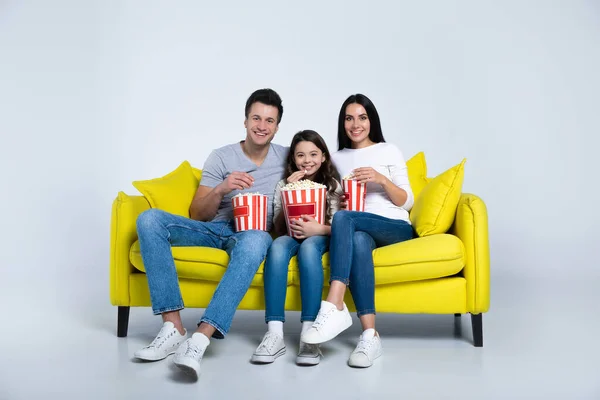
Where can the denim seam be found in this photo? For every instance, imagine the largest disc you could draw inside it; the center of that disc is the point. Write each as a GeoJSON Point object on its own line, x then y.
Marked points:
{"type": "Point", "coordinates": [214, 325]}
{"type": "Point", "coordinates": [345, 281]}
{"type": "Point", "coordinates": [365, 312]}
{"type": "Point", "coordinates": [167, 309]}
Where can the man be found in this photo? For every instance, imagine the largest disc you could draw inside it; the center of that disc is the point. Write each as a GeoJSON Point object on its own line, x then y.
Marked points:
{"type": "Point", "coordinates": [252, 165]}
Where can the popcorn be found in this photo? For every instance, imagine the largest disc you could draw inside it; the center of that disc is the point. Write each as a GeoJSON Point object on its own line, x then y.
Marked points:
{"type": "Point", "coordinates": [303, 184]}
{"type": "Point", "coordinates": [349, 177]}
{"type": "Point", "coordinates": [246, 194]}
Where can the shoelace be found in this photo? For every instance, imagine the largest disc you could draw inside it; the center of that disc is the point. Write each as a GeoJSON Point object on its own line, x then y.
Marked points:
{"type": "Point", "coordinates": [193, 350]}
{"type": "Point", "coordinates": [160, 339]}
{"type": "Point", "coordinates": [321, 318]}
{"type": "Point", "coordinates": [364, 345]}
{"type": "Point", "coordinates": [269, 341]}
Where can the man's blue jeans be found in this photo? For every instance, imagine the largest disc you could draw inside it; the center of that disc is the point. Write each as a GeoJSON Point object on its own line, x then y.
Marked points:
{"type": "Point", "coordinates": [159, 230]}
{"type": "Point", "coordinates": [354, 236]}
{"type": "Point", "coordinates": [309, 254]}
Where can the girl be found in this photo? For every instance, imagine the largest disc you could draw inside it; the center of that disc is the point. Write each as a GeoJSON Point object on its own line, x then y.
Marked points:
{"type": "Point", "coordinates": [308, 158]}
{"type": "Point", "coordinates": [364, 154]}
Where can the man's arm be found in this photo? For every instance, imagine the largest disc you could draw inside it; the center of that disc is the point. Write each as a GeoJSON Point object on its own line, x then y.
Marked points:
{"type": "Point", "coordinates": [207, 200]}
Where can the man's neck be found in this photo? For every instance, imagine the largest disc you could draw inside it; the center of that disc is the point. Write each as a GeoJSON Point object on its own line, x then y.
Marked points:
{"type": "Point", "coordinates": [256, 154]}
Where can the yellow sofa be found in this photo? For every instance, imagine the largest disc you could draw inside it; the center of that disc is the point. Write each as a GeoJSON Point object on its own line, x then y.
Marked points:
{"type": "Point", "coordinates": [438, 273]}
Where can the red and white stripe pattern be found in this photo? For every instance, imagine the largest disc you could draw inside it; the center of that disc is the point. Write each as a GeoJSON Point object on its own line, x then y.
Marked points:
{"type": "Point", "coordinates": [299, 202]}
{"type": "Point", "coordinates": [250, 212]}
{"type": "Point", "coordinates": [355, 194]}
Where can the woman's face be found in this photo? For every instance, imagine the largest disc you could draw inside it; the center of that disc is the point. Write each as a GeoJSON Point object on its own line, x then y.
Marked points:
{"type": "Point", "coordinates": [308, 157]}
{"type": "Point", "coordinates": [357, 126]}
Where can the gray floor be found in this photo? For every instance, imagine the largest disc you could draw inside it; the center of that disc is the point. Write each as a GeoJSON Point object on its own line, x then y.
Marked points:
{"type": "Point", "coordinates": [540, 342]}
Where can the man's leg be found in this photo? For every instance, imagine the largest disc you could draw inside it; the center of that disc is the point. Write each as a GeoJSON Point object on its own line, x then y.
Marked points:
{"type": "Point", "coordinates": [247, 250]}
{"type": "Point", "coordinates": [157, 232]}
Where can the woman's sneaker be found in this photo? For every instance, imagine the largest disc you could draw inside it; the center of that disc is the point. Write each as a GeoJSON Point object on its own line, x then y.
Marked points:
{"type": "Point", "coordinates": [329, 323]}
{"type": "Point", "coordinates": [308, 354]}
{"type": "Point", "coordinates": [367, 350]}
{"type": "Point", "coordinates": [165, 343]}
{"type": "Point", "coordinates": [271, 347]}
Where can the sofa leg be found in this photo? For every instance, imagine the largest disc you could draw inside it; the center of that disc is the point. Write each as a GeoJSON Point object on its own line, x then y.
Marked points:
{"type": "Point", "coordinates": [457, 315]}
{"type": "Point", "coordinates": [477, 324]}
{"type": "Point", "coordinates": [123, 321]}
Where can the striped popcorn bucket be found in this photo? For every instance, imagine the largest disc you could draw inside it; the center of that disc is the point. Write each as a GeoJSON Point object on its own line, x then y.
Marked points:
{"type": "Point", "coordinates": [250, 212]}
{"type": "Point", "coordinates": [299, 202]}
{"type": "Point", "coordinates": [355, 194]}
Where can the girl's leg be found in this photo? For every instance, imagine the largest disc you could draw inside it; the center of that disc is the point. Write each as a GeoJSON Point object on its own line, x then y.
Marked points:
{"type": "Point", "coordinates": [275, 276]}
{"type": "Point", "coordinates": [310, 266]}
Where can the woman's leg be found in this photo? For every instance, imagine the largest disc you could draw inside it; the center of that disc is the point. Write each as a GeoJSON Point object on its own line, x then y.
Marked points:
{"type": "Point", "coordinates": [310, 266]}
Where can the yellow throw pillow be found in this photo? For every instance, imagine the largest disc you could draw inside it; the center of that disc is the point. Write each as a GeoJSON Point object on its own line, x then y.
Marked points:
{"type": "Point", "coordinates": [435, 208]}
{"type": "Point", "coordinates": [173, 192]}
{"type": "Point", "coordinates": [197, 173]}
{"type": "Point", "coordinates": [417, 173]}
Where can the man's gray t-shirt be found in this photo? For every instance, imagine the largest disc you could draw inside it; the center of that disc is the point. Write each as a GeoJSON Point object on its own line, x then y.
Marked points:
{"type": "Point", "coordinates": [231, 158]}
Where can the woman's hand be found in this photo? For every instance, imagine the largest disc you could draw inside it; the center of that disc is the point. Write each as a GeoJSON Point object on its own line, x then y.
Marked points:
{"type": "Point", "coordinates": [305, 227]}
{"type": "Point", "coordinates": [296, 176]}
{"type": "Point", "coordinates": [343, 204]}
{"type": "Point", "coordinates": [368, 175]}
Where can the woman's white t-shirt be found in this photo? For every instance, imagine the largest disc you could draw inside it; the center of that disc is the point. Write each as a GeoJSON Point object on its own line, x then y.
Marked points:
{"type": "Point", "coordinates": [387, 159]}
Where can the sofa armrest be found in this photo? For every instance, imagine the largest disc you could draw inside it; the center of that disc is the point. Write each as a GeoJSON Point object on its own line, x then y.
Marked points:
{"type": "Point", "coordinates": [471, 227]}
{"type": "Point", "coordinates": [123, 233]}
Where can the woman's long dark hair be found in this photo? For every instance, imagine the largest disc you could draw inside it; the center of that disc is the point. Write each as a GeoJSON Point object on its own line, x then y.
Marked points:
{"type": "Point", "coordinates": [328, 174]}
{"type": "Point", "coordinates": [375, 135]}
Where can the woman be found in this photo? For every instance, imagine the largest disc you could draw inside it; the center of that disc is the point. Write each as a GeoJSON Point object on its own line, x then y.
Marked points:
{"type": "Point", "coordinates": [365, 156]}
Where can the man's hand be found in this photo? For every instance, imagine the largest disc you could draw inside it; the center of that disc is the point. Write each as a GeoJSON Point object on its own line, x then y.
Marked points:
{"type": "Point", "coordinates": [235, 181]}
{"type": "Point", "coordinates": [296, 176]}
{"type": "Point", "coordinates": [305, 227]}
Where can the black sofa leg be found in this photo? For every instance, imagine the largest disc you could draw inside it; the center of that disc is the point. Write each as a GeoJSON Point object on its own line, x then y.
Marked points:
{"type": "Point", "coordinates": [457, 315]}
{"type": "Point", "coordinates": [123, 321]}
{"type": "Point", "coordinates": [477, 324]}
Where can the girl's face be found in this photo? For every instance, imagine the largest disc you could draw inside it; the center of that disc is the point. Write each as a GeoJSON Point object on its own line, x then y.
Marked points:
{"type": "Point", "coordinates": [357, 126]}
{"type": "Point", "coordinates": [308, 157]}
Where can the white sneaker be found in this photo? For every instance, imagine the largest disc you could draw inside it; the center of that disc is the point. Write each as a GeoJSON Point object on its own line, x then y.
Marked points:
{"type": "Point", "coordinates": [189, 354]}
{"type": "Point", "coordinates": [329, 323]}
{"type": "Point", "coordinates": [365, 352]}
{"type": "Point", "coordinates": [164, 344]}
{"type": "Point", "coordinates": [308, 354]}
{"type": "Point", "coordinates": [271, 347]}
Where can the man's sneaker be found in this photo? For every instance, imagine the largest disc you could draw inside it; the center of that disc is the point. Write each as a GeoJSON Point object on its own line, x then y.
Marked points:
{"type": "Point", "coordinates": [165, 343]}
{"type": "Point", "coordinates": [271, 347]}
{"type": "Point", "coordinates": [329, 323]}
{"type": "Point", "coordinates": [189, 354]}
{"type": "Point", "coordinates": [308, 354]}
{"type": "Point", "coordinates": [367, 350]}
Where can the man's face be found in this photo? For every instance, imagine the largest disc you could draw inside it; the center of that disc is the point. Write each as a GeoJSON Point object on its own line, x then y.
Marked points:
{"type": "Point", "coordinates": [261, 124]}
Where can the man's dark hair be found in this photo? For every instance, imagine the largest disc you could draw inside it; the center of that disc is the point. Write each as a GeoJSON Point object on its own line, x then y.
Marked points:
{"type": "Point", "coordinates": [268, 97]}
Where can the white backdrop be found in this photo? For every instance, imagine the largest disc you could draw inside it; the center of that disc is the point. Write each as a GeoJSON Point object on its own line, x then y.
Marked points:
{"type": "Point", "coordinates": [96, 94]}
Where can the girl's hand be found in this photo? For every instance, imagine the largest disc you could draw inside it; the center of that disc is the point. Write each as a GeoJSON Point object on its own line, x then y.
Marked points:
{"type": "Point", "coordinates": [343, 204]}
{"type": "Point", "coordinates": [306, 227]}
{"type": "Point", "coordinates": [296, 176]}
{"type": "Point", "coordinates": [368, 175]}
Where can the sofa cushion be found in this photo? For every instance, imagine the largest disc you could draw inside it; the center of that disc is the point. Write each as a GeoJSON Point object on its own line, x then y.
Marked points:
{"type": "Point", "coordinates": [417, 259]}
{"type": "Point", "coordinates": [435, 208]}
{"type": "Point", "coordinates": [173, 192]}
{"type": "Point", "coordinates": [417, 173]}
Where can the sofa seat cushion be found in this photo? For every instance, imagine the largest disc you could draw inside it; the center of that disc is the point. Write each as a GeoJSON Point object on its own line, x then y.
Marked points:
{"type": "Point", "coordinates": [422, 258]}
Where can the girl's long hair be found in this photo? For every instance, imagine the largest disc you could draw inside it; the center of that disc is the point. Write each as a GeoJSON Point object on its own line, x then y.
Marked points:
{"type": "Point", "coordinates": [328, 174]}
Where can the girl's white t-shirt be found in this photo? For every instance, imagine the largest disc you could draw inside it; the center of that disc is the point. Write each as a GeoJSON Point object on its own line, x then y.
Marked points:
{"type": "Point", "coordinates": [387, 159]}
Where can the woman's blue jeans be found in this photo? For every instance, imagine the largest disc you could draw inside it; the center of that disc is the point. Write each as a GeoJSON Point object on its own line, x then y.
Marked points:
{"type": "Point", "coordinates": [159, 230]}
{"type": "Point", "coordinates": [309, 254]}
{"type": "Point", "coordinates": [354, 236]}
